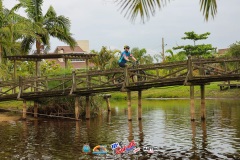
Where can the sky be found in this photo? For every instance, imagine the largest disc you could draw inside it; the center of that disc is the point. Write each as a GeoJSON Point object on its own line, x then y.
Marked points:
{"type": "Point", "coordinates": [102, 23]}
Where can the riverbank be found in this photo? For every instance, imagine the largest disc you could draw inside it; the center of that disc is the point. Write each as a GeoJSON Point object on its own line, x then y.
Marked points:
{"type": "Point", "coordinates": [179, 92]}
{"type": "Point", "coordinates": [9, 116]}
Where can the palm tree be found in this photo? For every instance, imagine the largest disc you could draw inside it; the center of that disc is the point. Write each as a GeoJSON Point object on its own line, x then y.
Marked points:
{"type": "Point", "coordinates": [142, 56]}
{"type": "Point", "coordinates": [147, 8]}
{"type": "Point", "coordinates": [105, 59]}
{"type": "Point", "coordinates": [45, 26]}
{"type": "Point", "coordinates": [12, 28]}
{"type": "Point", "coordinates": [180, 56]}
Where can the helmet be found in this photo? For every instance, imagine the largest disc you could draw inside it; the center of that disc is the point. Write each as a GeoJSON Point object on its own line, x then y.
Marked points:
{"type": "Point", "coordinates": [126, 47]}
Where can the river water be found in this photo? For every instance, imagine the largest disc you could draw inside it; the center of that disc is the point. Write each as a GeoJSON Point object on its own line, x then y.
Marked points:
{"type": "Point", "coordinates": [166, 125]}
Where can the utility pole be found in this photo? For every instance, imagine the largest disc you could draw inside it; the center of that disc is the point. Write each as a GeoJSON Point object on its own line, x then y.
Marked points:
{"type": "Point", "coordinates": [163, 57]}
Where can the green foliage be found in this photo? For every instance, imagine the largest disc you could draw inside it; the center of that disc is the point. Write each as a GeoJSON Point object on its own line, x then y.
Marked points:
{"type": "Point", "coordinates": [142, 56]}
{"type": "Point", "coordinates": [27, 69]}
{"type": "Point", "coordinates": [147, 8]}
{"type": "Point", "coordinates": [196, 50]}
{"type": "Point", "coordinates": [181, 56]}
{"type": "Point", "coordinates": [51, 68]}
{"type": "Point", "coordinates": [13, 28]}
{"type": "Point", "coordinates": [235, 49]}
{"type": "Point", "coordinates": [105, 59]}
{"type": "Point", "coordinates": [44, 26]}
{"type": "Point", "coordinates": [6, 70]}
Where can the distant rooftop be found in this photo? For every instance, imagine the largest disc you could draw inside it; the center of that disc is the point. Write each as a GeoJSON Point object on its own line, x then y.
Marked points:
{"type": "Point", "coordinates": [222, 51]}
{"type": "Point", "coordinates": [67, 49]}
{"type": "Point", "coordinates": [51, 56]}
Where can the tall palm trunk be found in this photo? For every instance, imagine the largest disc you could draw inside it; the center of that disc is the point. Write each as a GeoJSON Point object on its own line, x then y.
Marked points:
{"type": "Point", "coordinates": [38, 47]}
{"type": "Point", "coordinates": [38, 71]}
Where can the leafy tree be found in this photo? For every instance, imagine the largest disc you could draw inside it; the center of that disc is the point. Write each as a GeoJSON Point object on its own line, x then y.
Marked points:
{"type": "Point", "coordinates": [157, 57]}
{"type": "Point", "coordinates": [45, 26]}
{"type": "Point", "coordinates": [142, 56]}
{"type": "Point", "coordinates": [175, 57]}
{"type": "Point", "coordinates": [147, 8]}
{"type": "Point", "coordinates": [13, 28]}
{"type": "Point", "coordinates": [6, 71]}
{"type": "Point", "coordinates": [234, 49]}
{"type": "Point", "coordinates": [196, 50]}
{"type": "Point", "coordinates": [105, 59]}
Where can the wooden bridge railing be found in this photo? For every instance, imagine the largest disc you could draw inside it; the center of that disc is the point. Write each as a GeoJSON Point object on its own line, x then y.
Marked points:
{"type": "Point", "coordinates": [142, 76]}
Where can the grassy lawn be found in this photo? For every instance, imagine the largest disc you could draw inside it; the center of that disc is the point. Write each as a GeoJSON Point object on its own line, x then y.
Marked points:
{"type": "Point", "coordinates": [211, 91]}
{"type": "Point", "coordinates": [12, 104]}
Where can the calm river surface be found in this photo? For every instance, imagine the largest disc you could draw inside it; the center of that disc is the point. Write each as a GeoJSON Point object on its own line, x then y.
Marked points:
{"type": "Point", "coordinates": [166, 124]}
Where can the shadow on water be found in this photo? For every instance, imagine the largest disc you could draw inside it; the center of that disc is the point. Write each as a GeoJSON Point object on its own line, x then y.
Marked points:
{"type": "Point", "coordinates": [165, 124]}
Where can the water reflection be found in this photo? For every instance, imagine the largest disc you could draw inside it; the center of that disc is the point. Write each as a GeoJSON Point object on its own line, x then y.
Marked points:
{"type": "Point", "coordinates": [204, 134]}
{"type": "Point", "coordinates": [194, 145]}
{"type": "Point", "coordinates": [109, 117]}
{"type": "Point", "coordinates": [77, 132]}
{"type": "Point", "coordinates": [130, 136]}
{"type": "Point", "coordinates": [141, 136]}
{"type": "Point", "coordinates": [165, 124]}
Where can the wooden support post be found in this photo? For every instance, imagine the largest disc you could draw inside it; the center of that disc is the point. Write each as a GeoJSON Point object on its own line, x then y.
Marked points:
{"type": "Point", "coordinates": [157, 71]}
{"type": "Point", "coordinates": [108, 104]}
{"type": "Point", "coordinates": [201, 70]}
{"type": "Point", "coordinates": [190, 69]}
{"type": "Point", "coordinates": [203, 109]}
{"type": "Point", "coordinates": [38, 71]}
{"type": "Point", "coordinates": [74, 85]}
{"type": "Point", "coordinates": [76, 108]}
{"type": "Point", "coordinates": [35, 109]}
{"type": "Point", "coordinates": [106, 97]}
{"type": "Point", "coordinates": [225, 66]}
{"type": "Point", "coordinates": [20, 85]}
{"type": "Point", "coordinates": [139, 105]}
{"type": "Point", "coordinates": [126, 76]}
{"type": "Point", "coordinates": [87, 65]}
{"type": "Point", "coordinates": [192, 103]}
{"type": "Point", "coordinates": [24, 110]}
{"type": "Point", "coordinates": [15, 74]}
{"type": "Point", "coordinates": [129, 105]}
{"type": "Point", "coordinates": [126, 79]}
{"type": "Point", "coordinates": [66, 63]}
{"type": "Point", "coordinates": [87, 107]}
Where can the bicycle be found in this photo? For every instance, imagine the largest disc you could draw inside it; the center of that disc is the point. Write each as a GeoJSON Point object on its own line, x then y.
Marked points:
{"type": "Point", "coordinates": [135, 76]}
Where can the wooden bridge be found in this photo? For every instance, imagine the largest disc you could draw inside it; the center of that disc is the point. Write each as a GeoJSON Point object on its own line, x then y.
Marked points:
{"type": "Point", "coordinates": [189, 73]}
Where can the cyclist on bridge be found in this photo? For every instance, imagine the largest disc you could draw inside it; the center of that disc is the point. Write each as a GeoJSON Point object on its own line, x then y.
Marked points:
{"type": "Point", "coordinates": [125, 57]}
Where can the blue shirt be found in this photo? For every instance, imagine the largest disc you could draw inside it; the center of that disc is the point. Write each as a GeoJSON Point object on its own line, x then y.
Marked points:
{"type": "Point", "coordinates": [122, 59]}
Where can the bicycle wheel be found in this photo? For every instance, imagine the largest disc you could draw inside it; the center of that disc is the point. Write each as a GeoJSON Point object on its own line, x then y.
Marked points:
{"type": "Point", "coordinates": [139, 76]}
{"type": "Point", "coordinates": [118, 78]}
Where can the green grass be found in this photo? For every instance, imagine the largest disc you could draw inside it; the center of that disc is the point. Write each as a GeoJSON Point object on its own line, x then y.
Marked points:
{"type": "Point", "coordinates": [211, 91]}
{"type": "Point", "coordinates": [13, 104]}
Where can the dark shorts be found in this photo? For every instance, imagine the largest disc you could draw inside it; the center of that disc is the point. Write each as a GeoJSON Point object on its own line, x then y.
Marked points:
{"type": "Point", "coordinates": [122, 64]}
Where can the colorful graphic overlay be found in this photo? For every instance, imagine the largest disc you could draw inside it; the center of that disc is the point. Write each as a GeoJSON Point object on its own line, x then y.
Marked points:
{"type": "Point", "coordinates": [100, 149]}
{"type": "Point", "coordinates": [120, 148]}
